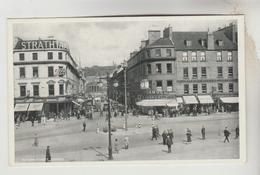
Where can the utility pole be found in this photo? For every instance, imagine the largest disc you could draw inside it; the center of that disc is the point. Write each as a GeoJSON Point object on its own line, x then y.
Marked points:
{"type": "Point", "coordinates": [110, 156]}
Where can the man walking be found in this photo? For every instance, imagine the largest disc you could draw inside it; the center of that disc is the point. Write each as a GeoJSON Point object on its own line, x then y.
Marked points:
{"type": "Point", "coordinates": [188, 134]}
{"type": "Point", "coordinates": [154, 133]}
{"type": "Point", "coordinates": [48, 154]}
{"type": "Point", "coordinates": [164, 136]}
{"type": "Point", "coordinates": [84, 125]}
{"type": "Point", "coordinates": [169, 144]}
{"type": "Point", "coordinates": [226, 134]}
{"type": "Point", "coordinates": [203, 132]}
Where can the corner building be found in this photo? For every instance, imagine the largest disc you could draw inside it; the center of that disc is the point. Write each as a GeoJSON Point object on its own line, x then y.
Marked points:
{"type": "Point", "coordinates": [182, 64]}
{"type": "Point", "coordinates": [45, 76]}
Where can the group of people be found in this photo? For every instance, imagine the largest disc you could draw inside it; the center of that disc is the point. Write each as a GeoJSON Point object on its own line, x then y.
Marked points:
{"type": "Point", "coordinates": [125, 144]}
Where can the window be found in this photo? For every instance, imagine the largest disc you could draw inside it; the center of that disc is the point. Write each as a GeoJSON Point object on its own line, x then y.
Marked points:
{"type": "Point", "coordinates": [35, 56]}
{"type": "Point", "coordinates": [51, 89]}
{"type": "Point", "coordinates": [159, 85]}
{"type": "Point", "coordinates": [169, 85]}
{"type": "Point", "coordinates": [185, 73]}
{"type": "Point", "coordinates": [186, 88]}
{"type": "Point", "coordinates": [229, 57]}
{"type": "Point", "coordinates": [220, 87]}
{"type": "Point", "coordinates": [194, 72]}
{"type": "Point", "coordinates": [35, 72]}
{"type": "Point", "coordinates": [158, 52]}
{"type": "Point", "coordinates": [203, 42]}
{"type": "Point", "coordinates": [188, 42]}
{"type": "Point", "coordinates": [220, 72]}
{"type": "Point", "coordinates": [21, 56]}
{"type": "Point", "coordinates": [230, 71]}
{"type": "Point", "coordinates": [50, 71]}
{"type": "Point", "coordinates": [220, 43]}
{"type": "Point", "coordinates": [184, 56]}
{"type": "Point", "coordinates": [60, 72]}
{"type": "Point", "coordinates": [149, 68]}
{"type": "Point", "coordinates": [219, 56]}
{"type": "Point", "coordinates": [22, 91]}
{"type": "Point", "coordinates": [50, 55]}
{"type": "Point", "coordinates": [150, 84]}
{"type": "Point", "coordinates": [169, 67]}
{"type": "Point", "coordinates": [193, 56]}
{"type": "Point", "coordinates": [168, 52]}
{"type": "Point", "coordinates": [148, 53]}
{"type": "Point", "coordinates": [231, 88]}
{"type": "Point", "coordinates": [204, 88]}
{"type": "Point", "coordinates": [202, 56]}
{"type": "Point", "coordinates": [60, 55]}
{"type": "Point", "coordinates": [61, 89]}
{"type": "Point", "coordinates": [203, 72]}
{"type": "Point", "coordinates": [158, 68]}
{"type": "Point", "coordinates": [35, 90]}
{"type": "Point", "coordinates": [195, 88]}
{"type": "Point", "coordinates": [22, 72]}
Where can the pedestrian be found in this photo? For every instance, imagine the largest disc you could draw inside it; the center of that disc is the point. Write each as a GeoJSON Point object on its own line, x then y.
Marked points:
{"type": "Point", "coordinates": [203, 132]}
{"type": "Point", "coordinates": [226, 134]}
{"type": "Point", "coordinates": [32, 120]}
{"type": "Point", "coordinates": [48, 154]}
{"type": "Point", "coordinates": [126, 142]}
{"type": "Point", "coordinates": [116, 146]}
{"type": "Point", "coordinates": [169, 144]}
{"type": "Point", "coordinates": [188, 134]}
{"type": "Point", "coordinates": [237, 132]}
{"type": "Point", "coordinates": [36, 140]}
{"type": "Point", "coordinates": [170, 133]}
{"type": "Point", "coordinates": [84, 125]}
{"type": "Point", "coordinates": [164, 136]}
{"type": "Point", "coordinates": [157, 131]}
{"type": "Point", "coordinates": [154, 133]}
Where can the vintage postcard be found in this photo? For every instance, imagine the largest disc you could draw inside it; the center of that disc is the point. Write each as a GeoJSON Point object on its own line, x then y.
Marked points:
{"type": "Point", "coordinates": [126, 89]}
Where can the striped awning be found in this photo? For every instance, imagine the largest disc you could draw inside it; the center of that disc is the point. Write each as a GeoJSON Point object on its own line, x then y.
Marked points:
{"type": "Point", "coordinates": [35, 107]}
{"type": "Point", "coordinates": [190, 100]}
{"type": "Point", "coordinates": [205, 99]}
{"type": "Point", "coordinates": [229, 99]}
{"type": "Point", "coordinates": [179, 100]}
{"type": "Point", "coordinates": [20, 107]}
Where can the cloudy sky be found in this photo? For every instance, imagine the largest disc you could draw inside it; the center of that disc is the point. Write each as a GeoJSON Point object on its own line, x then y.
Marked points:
{"type": "Point", "coordinates": [102, 42]}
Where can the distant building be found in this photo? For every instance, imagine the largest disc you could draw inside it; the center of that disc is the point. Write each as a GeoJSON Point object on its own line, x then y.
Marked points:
{"type": "Point", "coordinates": [179, 64]}
{"type": "Point", "coordinates": [45, 76]}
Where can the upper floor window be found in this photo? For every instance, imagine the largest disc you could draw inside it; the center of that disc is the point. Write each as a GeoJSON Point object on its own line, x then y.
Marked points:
{"type": "Point", "coordinates": [169, 85]}
{"type": "Point", "coordinates": [21, 56]}
{"type": "Point", "coordinates": [35, 72]}
{"type": "Point", "coordinates": [158, 52]}
{"type": "Point", "coordinates": [220, 43]}
{"type": "Point", "coordinates": [50, 55]}
{"type": "Point", "coordinates": [220, 87]}
{"type": "Point", "coordinates": [186, 88]}
{"type": "Point", "coordinates": [35, 56]}
{"type": "Point", "coordinates": [22, 91]}
{"type": "Point", "coordinates": [149, 68]}
{"type": "Point", "coordinates": [168, 52]}
{"type": "Point", "coordinates": [35, 90]}
{"type": "Point", "coordinates": [158, 68]}
{"type": "Point", "coordinates": [150, 84]}
{"type": "Point", "coordinates": [22, 72]}
{"type": "Point", "coordinates": [61, 89]}
{"type": "Point", "coordinates": [202, 56]}
{"type": "Point", "coordinates": [194, 72]}
{"type": "Point", "coordinates": [203, 42]}
{"type": "Point", "coordinates": [169, 67]}
{"type": "Point", "coordinates": [219, 56]}
{"type": "Point", "coordinates": [51, 89]}
{"type": "Point", "coordinates": [159, 85]}
{"type": "Point", "coordinates": [193, 56]}
{"type": "Point", "coordinates": [188, 42]}
{"type": "Point", "coordinates": [230, 71]}
{"type": "Point", "coordinates": [185, 73]}
{"type": "Point", "coordinates": [203, 72]}
{"type": "Point", "coordinates": [204, 88]}
{"type": "Point", "coordinates": [195, 88]}
{"type": "Point", "coordinates": [231, 87]}
{"type": "Point", "coordinates": [184, 56]}
{"type": "Point", "coordinates": [60, 55]}
{"type": "Point", "coordinates": [220, 72]}
{"type": "Point", "coordinates": [50, 71]}
{"type": "Point", "coordinates": [229, 57]}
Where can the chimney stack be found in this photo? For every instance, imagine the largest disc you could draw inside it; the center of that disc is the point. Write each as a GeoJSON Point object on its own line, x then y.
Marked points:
{"type": "Point", "coordinates": [153, 35]}
{"type": "Point", "coordinates": [210, 40]}
{"type": "Point", "coordinates": [167, 32]}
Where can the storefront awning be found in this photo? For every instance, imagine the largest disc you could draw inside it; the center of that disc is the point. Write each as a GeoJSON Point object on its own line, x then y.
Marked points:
{"type": "Point", "coordinates": [179, 100]}
{"type": "Point", "coordinates": [157, 102]}
{"type": "Point", "coordinates": [20, 107]}
{"type": "Point", "coordinates": [229, 99]}
{"type": "Point", "coordinates": [35, 107]}
{"type": "Point", "coordinates": [190, 100]}
{"type": "Point", "coordinates": [205, 99]}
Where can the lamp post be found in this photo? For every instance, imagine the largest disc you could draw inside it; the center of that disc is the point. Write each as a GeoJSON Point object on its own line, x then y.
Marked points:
{"type": "Point", "coordinates": [125, 66]}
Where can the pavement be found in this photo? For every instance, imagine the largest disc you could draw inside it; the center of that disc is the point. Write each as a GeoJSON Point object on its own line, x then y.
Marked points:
{"type": "Point", "coordinates": [69, 143]}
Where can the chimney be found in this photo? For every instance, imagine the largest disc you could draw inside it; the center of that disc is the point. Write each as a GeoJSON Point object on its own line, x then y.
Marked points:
{"type": "Point", "coordinates": [234, 33]}
{"type": "Point", "coordinates": [143, 44]}
{"type": "Point", "coordinates": [167, 32]}
{"type": "Point", "coordinates": [210, 40]}
{"type": "Point", "coordinates": [153, 35]}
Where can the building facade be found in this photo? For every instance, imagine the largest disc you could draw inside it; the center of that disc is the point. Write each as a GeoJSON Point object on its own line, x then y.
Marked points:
{"type": "Point", "coordinates": [45, 73]}
{"type": "Point", "coordinates": [178, 64]}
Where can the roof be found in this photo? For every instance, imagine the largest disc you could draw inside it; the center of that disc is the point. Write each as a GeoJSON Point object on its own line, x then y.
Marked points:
{"type": "Point", "coordinates": [162, 42]}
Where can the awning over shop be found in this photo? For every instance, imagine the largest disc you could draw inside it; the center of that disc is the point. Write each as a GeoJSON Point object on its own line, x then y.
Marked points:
{"type": "Point", "coordinates": [229, 99]}
{"type": "Point", "coordinates": [205, 99]}
{"type": "Point", "coordinates": [157, 102]}
{"type": "Point", "coordinates": [80, 100]}
{"type": "Point", "coordinates": [190, 100]}
{"type": "Point", "coordinates": [21, 107]}
{"type": "Point", "coordinates": [76, 103]}
{"type": "Point", "coordinates": [179, 100]}
{"type": "Point", "coordinates": [35, 107]}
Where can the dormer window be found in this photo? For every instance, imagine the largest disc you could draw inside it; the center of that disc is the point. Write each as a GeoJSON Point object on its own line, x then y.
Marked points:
{"type": "Point", "coordinates": [188, 42]}
{"type": "Point", "coordinates": [220, 42]}
{"type": "Point", "coordinates": [203, 42]}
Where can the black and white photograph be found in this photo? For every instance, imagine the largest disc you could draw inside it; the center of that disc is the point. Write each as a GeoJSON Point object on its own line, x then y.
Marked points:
{"type": "Point", "coordinates": [120, 89]}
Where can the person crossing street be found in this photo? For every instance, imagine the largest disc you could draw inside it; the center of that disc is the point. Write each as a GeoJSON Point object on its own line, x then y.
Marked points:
{"type": "Point", "coordinates": [226, 134]}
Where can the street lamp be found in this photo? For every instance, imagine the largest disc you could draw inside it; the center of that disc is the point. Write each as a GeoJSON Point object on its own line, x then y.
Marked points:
{"type": "Point", "coordinates": [124, 65]}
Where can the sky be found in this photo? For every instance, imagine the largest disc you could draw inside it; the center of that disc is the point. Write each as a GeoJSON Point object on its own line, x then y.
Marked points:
{"type": "Point", "coordinates": [104, 42]}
